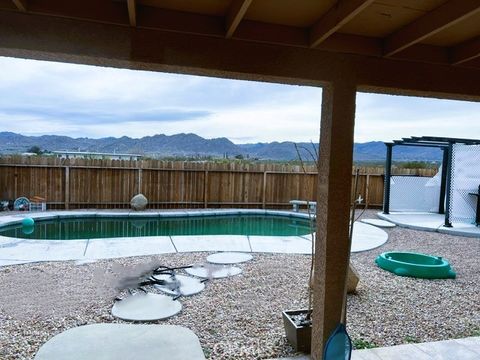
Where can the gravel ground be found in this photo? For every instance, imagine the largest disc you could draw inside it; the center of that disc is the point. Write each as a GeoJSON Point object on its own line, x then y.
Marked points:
{"type": "Point", "coordinates": [240, 317]}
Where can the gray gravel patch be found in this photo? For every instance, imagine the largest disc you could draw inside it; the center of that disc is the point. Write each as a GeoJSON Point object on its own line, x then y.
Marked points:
{"type": "Point", "coordinates": [240, 317]}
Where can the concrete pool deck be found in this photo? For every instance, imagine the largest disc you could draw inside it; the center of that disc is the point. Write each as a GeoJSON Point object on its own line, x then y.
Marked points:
{"type": "Point", "coordinates": [17, 250]}
{"type": "Point", "coordinates": [430, 222]}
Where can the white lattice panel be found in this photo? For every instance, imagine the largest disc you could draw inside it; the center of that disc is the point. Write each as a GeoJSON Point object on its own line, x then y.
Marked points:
{"type": "Point", "coordinates": [465, 180]}
{"type": "Point", "coordinates": [414, 193]}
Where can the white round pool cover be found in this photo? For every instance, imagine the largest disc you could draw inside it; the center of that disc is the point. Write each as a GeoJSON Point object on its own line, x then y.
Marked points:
{"type": "Point", "coordinates": [146, 307]}
{"type": "Point", "coordinates": [213, 271]}
{"type": "Point", "coordinates": [179, 285]}
{"type": "Point", "coordinates": [228, 258]}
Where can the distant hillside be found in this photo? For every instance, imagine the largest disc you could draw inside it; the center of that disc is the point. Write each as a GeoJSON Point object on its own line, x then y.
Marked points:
{"type": "Point", "coordinates": [194, 145]}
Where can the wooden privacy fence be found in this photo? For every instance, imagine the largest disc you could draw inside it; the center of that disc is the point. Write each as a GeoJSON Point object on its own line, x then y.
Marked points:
{"type": "Point", "coordinates": [75, 183]}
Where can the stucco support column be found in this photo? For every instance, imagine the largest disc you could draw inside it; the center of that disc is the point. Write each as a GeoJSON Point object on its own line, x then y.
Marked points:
{"type": "Point", "coordinates": [333, 205]}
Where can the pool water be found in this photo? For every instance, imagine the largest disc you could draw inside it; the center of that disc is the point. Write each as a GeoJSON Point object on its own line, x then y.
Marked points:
{"type": "Point", "coordinates": [107, 227]}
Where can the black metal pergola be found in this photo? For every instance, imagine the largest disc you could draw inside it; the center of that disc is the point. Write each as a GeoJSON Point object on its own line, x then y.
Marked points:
{"type": "Point", "coordinates": [443, 143]}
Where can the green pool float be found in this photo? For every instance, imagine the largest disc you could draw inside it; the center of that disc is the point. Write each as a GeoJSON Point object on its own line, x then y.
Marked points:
{"type": "Point", "coordinates": [415, 265]}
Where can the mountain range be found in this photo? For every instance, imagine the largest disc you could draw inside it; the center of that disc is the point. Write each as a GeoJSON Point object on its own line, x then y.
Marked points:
{"type": "Point", "coordinates": [192, 145]}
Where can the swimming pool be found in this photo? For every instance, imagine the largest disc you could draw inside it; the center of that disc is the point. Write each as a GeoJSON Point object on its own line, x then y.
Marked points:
{"type": "Point", "coordinates": [95, 227]}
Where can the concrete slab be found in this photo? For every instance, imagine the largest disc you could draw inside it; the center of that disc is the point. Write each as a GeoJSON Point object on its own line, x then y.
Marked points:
{"type": "Point", "coordinates": [226, 258]}
{"type": "Point", "coordinates": [41, 250]}
{"type": "Point", "coordinates": [364, 355]}
{"type": "Point", "coordinates": [122, 247]}
{"type": "Point", "coordinates": [14, 262]}
{"type": "Point", "coordinates": [367, 237]}
{"type": "Point", "coordinates": [461, 229]}
{"type": "Point", "coordinates": [211, 243]}
{"type": "Point", "coordinates": [431, 222]}
{"type": "Point", "coordinates": [400, 352]}
{"type": "Point", "coordinates": [379, 223]}
{"type": "Point", "coordinates": [123, 341]}
{"type": "Point", "coordinates": [280, 244]}
{"type": "Point", "coordinates": [449, 349]}
{"type": "Point", "coordinates": [213, 271]}
{"type": "Point", "coordinates": [416, 221]}
{"type": "Point", "coordinates": [146, 307]}
{"type": "Point", "coordinates": [472, 343]}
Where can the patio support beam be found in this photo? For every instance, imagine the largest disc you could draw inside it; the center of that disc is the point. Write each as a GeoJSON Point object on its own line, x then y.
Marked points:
{"type": "Point", "coordinates": [433, 22]}
{"type": "Point", "coordinates": [235, 14]}
{"type": "Point", "coordinates": [341, 13]}
{"type": "Point", "coordinates": [332, 247]}
{"type": "Point", "coordinates": [21, 5]}
{"type": "Point", "coordinates": [132, 12]}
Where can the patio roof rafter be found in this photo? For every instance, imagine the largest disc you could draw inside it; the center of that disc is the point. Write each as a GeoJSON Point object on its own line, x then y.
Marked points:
{"type": "Point", "coordinates": [433, 22]}
{"type": "Point", "coordinates": [465, 52]}
{"type": "Point", "coordinates": [235, 14]}
{"type": "Point", "coordinates": [20, 4]}
{"type": "Point", "coordinates": [341, 13]}
{"type": "Point", "coordinates": [132, 12]}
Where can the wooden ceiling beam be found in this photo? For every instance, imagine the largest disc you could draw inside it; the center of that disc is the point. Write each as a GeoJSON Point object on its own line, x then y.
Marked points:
{"type": "Point", "coordinates": [465, 52]}
{"type": "Point", "coordinates": [340, 14]}
{"type": "Point", "coordinates": [132, 12]}
{"type": "Point", "coordinates": [235, 14]}
{"type": "Point", "coordinates": [21, 5]}
{"type": "Point", "coordinates": [429, 24]}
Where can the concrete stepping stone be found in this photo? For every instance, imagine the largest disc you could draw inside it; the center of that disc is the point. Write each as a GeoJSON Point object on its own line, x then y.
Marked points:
{"type": "Point", "coordinates": [123, 341]}
{"type": "Point", "coordinates": [228, 258]}
{"type": "Point", "coordinates": [146, 307]}
{"type": "Point", "coordinates": [379, 223]}
{"type": "Point", "coordinates": [213, 271]}
{"type": "Point", "coordinates": [186, 285]}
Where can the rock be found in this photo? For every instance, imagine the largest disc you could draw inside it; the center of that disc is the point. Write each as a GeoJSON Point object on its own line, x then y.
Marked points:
{"type": "Point", "coordinates": [352, 280]}
{"type": "Point", "coordinates": [139, 202]}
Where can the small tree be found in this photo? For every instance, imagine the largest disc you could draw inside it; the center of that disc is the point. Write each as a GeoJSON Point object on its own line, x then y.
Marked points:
{"type": "Point", "coordinates": [35, 149]}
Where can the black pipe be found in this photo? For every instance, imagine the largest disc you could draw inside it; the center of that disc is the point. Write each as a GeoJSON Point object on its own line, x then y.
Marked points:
{"type": "Point", "coordinates": [388, 175]}
{"type": "Point", "coordinates": [448, 186]}
{"type": "Point", "coordinates": [443, 183]}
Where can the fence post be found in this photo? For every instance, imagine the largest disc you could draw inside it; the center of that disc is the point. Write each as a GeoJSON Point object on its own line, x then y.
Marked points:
{"type": "Point", "coordinates": [264, 190]}
{"type": "Point", "coordinates": [367, 191]}
{"type": "Point", "coordinates": [205, 189]}
{"type": "Point", "coordinates": [15, 190]}
{"type": "Point", "coordinates": [139, 181]}
{"type": "Point", "coordinates": [67, 187]}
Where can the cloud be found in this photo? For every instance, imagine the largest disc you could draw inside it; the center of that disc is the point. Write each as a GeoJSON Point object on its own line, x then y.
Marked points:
{"type": "Point", "coordinates": [38, 97]}
{"type": "Point", "coordinates": [388, 117]}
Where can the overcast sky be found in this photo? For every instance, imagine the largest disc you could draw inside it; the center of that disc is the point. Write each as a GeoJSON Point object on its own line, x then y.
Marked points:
{"type": "Point", "coordinates": [38, 97]}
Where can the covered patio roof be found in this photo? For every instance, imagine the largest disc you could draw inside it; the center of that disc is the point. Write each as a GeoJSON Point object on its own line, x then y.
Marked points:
{"type": "Point", "coordinates": [428, 48]}
{"type": "Point", "coordinates": [433, 31]}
